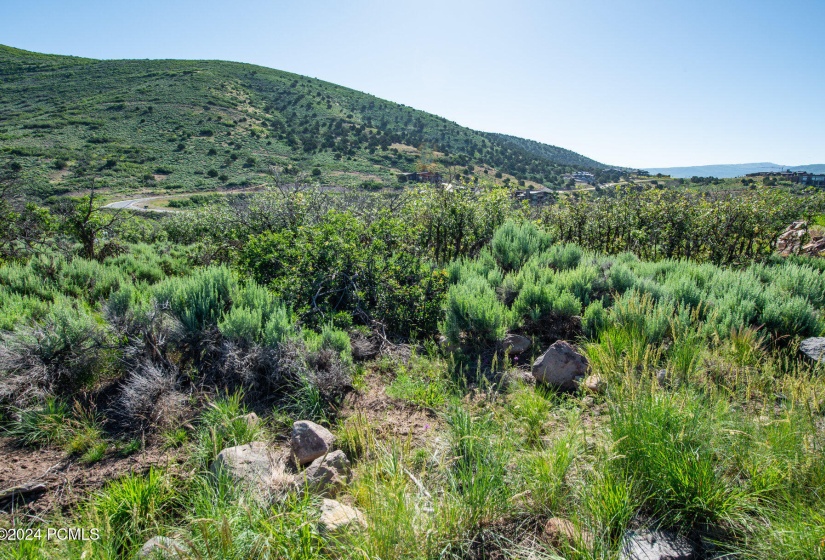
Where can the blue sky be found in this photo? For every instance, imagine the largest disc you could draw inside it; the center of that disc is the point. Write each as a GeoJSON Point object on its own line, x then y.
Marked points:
{"type": "Point", "coordinates": [633, 83]}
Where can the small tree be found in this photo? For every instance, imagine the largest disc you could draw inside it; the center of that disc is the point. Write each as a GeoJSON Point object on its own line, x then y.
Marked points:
{"type": "Point", "coordinates": [86, 220]}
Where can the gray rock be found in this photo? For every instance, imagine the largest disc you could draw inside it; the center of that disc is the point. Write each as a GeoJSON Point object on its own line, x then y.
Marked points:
{"type": "Point", "coordinates": [254, 466]}
{"type": "Point", "coordinates": [814, 348]}
{"type": "Point", "coordinates": [335, 516]}
{"type": "Point", "coordinates": [327, 475]}
{"type": "Point", "coordinates": [560, 366]}
{"type": "Point", "coordinates": [515, 344]}
{"type": "Point", "coordinates": [656, 545]}
{"type": "Point", "coordinates": [310, 441]}
{"type": "Point", "coordinates": [163, 547]}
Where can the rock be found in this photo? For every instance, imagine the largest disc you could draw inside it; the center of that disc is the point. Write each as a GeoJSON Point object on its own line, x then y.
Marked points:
{"type": "Point", "coordinates": [560, 366]}
{"type": "Point", "coordinates": [559, 532]}
{"type": "Point", "coordinates": [514, 376]}
{"type": "Point", "coordinates": [516, 344]}
{"type": "Point", "coordinates": [163, 547]}
{"type": "Point", "coordinates": [656, 545]}
{"type": "Point", "coordinates": [251, 419]}
{"type": "Point", "coordinates": [335, 516]}
{"type": "Point", "coordinates": [327, 475]}
{"type": "Point", "coordinates": [254, 466]}
{"type": "Point", "coordinates": [814, 348]}
{"type": "Point", "coordinates": [248, 463]}
{"type": "Point", "coordinates": [310, 441]}
{"type": "Point", "coordinates": [594, 384]}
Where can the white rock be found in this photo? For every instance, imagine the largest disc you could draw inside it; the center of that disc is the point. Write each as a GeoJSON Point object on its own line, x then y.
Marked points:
{"type": "Point", "coordinates": [163, 547]}
{"type": "Point", "coordinates": [335, 516]}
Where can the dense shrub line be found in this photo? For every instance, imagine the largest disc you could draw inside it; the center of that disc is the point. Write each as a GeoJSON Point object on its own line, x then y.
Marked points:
{"type": "Point", "coordinates": [722, 228]}
{"type": "Point", "coordinates": [524, 282]}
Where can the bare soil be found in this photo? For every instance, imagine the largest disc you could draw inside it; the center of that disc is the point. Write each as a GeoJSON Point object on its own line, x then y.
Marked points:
{"type": "Point", "coordinates": [67, 480]}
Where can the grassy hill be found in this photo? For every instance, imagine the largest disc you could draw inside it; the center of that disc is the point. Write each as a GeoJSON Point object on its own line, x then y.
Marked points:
{"type": "Point", "coordinates": [201, 125]}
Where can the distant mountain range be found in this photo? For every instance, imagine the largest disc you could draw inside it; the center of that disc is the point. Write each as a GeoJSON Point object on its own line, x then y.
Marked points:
{"type": "Point", "coordinates": [728, 170]}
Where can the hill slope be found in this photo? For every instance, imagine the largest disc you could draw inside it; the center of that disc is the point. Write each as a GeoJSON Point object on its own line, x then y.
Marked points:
{"type": "Point", "coordinates": [133, 124]}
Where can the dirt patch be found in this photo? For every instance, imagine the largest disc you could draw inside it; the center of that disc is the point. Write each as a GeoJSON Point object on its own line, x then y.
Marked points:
{"type": "Point", "coordinates": [389, 417]}
{"type": "Point", "coordinates": [67, 480]}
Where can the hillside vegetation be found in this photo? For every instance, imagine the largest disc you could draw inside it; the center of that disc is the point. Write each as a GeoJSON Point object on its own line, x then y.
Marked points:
{"type": "Point", "coordinates": [173, 125]}
{"type": "Point", "coordinates": [134, 360]}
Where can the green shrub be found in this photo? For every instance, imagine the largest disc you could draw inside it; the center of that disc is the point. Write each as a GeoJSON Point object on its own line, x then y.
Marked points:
{"type": "Point", "coordinates": [513, 243]}
{"type": "Point", "coordinates": [199, 300]}
{"type": "Point", "coordinates": [565, 256]}
{"type": "Point", "coordinates": [241, 324]}
{"type": "Point", "coordinates": [474, 311]}
{"type": "Point", "coordinates": [594, 318]}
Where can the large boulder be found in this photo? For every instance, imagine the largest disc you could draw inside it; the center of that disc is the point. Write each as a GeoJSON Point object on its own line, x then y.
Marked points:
{"type": "Point", "coordinates": [255, 467]}
{"type": "Point", "coordinates": [515, 344]}
{"type": "Point", "coordinates": [165, 548]}
{"type": "Point", "coordinates": [560, 366]}
{"type": "Point", "coordinates": [309, 441]}
{"type": "Point", "coordinates": [327, 475]}
{"type": "Point", "coordinates": [335, 516]}
{"type": "Point", "coordinates": [814, 348]}
{"type": "Point", "coordinates": [656, 545]}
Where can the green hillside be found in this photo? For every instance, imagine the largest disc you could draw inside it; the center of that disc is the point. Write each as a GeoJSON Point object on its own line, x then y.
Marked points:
{"type": "Point", "coordinates": [201, 125]}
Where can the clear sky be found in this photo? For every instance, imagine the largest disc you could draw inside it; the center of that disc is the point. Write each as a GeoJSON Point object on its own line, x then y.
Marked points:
{"type": "Point", "coordinates": [634, 83]}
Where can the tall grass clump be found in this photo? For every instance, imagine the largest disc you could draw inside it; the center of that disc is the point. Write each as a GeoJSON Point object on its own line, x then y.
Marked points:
{"type": "Point", "coordinates": [222, 424]}
{"type": "Point", "coordinates": [672, 445]}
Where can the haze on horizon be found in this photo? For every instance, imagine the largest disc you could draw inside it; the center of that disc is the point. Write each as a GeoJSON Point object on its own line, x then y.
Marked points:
{"type": "Point", "coordinates": [639, 84]}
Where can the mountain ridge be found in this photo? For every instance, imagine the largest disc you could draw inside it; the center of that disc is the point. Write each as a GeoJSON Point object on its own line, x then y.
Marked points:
{"type": "Point", "coordinates": [730, 170]}
{"type": "Point", "coordinates": [203, 124]}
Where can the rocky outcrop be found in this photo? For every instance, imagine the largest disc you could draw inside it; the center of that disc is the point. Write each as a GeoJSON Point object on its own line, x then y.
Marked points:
{"type": "Point", "coordinates": [560, 366]}
{"type": "Point", "coordinates": [656, 545]}
{"type": "Point", "coordinates": [309, 441]}
{"type": "Point", "coordinates": [790, 241]}
{"type": "Point", "coordinates": [327, 475]}
{"type": "Point", "coordinates": [336, 516]}
{"type": "Point", "coordinates": [163, 547]}
{"type": "Point", "coordinates": [515, 344]}
{"type": "Point", "coordinates": [799, 240]}
{"type": "Point", "coordinates": [814, 348]}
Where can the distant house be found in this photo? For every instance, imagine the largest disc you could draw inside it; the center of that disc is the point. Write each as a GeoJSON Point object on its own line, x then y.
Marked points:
{"type": "Point", "coordinates": [536, 196]}
{"type": "Point", "coordinates": [584, 177]}
{"type": "Point", "coordinates": [421, 177]}
{"type": "Point", "coordinates": [808, 179]}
